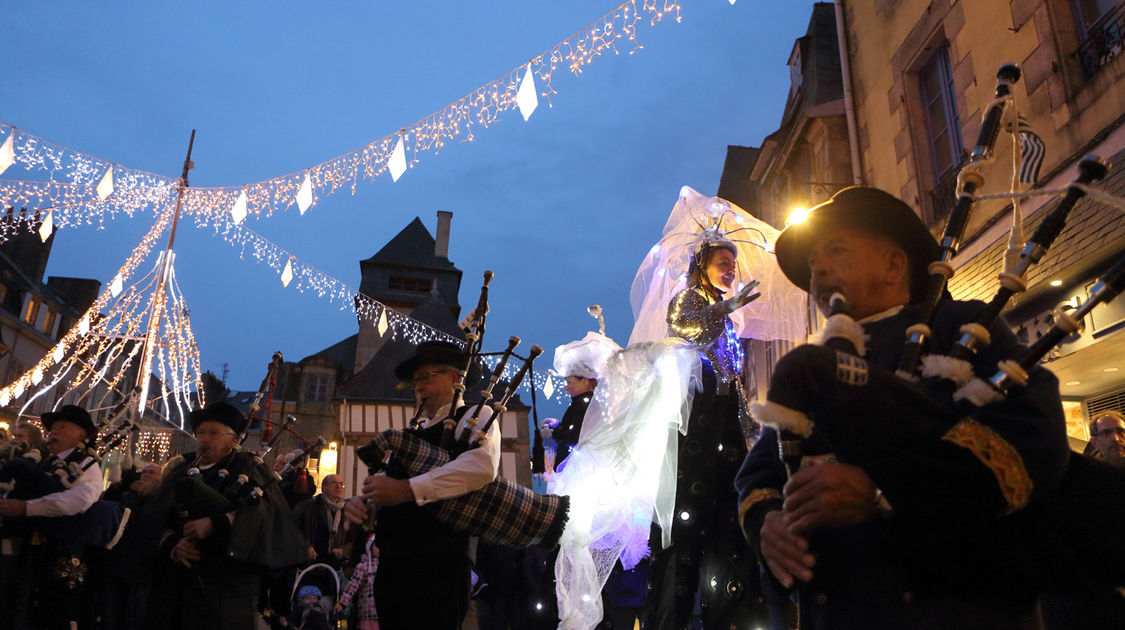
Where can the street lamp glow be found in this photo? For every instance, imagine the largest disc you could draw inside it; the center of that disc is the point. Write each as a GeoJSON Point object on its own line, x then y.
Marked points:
{"type": "Point", "coordinates": [797, 215]}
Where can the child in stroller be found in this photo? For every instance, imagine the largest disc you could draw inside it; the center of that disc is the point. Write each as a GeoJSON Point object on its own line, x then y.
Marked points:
{"type": "Point", "coordinates": [314, 595]}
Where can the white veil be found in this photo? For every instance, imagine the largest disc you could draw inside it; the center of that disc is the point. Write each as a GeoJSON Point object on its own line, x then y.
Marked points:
{"type": "Point", "coordinates": [778, 314]}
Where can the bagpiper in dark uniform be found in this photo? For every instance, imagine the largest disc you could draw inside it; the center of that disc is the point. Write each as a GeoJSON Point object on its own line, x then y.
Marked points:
{"type": "Point", "coordinates": [933, 531]}
{"type": "Point", "coordinates": [222, 523]}
{"type": "Point", "coordinates": [60, 496]}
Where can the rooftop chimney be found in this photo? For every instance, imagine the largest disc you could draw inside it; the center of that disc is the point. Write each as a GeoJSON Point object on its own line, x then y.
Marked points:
{"type": "Point", "coordinates": [441, 243]}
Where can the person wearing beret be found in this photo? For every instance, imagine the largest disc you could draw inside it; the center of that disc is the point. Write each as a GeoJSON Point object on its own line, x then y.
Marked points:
{"type": "Point", "coordinates": [220, 522]}
{"type": "Point", "coordinates": [935, 531]}
{"type": "Point", "coordinates": [423, 575]}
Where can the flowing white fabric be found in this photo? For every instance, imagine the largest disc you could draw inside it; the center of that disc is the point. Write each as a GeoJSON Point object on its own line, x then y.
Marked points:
{"type": "Point", "coordinates": [622, 474]}
{"type": "Point", "coordinates": [779, 314]}
{"type": "Point", "coordinates": [623, 471]}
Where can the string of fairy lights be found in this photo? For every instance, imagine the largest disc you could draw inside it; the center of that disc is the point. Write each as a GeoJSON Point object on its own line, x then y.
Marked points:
{"type": "Point", "coordinates": [295, 272]}
{"type": "Point", "coordinates": [83, 189]}
{"type": "Point", "coordinates": [99, 351]}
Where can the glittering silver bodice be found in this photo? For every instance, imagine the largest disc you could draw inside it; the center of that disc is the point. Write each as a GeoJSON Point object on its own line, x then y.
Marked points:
{"type": "Point", "coordinates": [691, 316]}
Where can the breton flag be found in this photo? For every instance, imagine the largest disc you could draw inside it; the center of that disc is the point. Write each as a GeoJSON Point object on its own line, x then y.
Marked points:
{"type": "Point", "coordinates": [1033, 149]}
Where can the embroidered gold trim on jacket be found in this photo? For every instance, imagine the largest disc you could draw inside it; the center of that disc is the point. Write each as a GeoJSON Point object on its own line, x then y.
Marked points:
{"type": "Point", "coordinates": [756, 496]}
{"type": "Point", "coordinates": [1000, 457]}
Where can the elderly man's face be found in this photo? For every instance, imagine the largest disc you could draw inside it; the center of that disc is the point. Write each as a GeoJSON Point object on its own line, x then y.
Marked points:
{"type": "Point", "coordinates": [1109, 437]}
{"type": "Point", "coordinates": [149, 482]}
{"type": "Point", "coordinates": [333, 487]}
{"type": "Point", "coordinates": [64, 435]}
{"type": "Point", "coordinates": [868, 269]}
{"type": "Point", "coordinates": [433, 383]}
{"type": "Point", "coordinates": [215, 441]}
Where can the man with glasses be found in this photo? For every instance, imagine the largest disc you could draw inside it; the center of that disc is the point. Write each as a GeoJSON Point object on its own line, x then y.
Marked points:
{"type": "Point", "coordinates": [423, 575]}
{"type": "Point", "coordinates": [322, 521]}
{"type": "Point", "coordinates": [1107, 436]}
{"type": "Point", "coordinates": [224, 522]}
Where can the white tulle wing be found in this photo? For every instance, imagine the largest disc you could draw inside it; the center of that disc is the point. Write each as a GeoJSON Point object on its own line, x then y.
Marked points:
{"type": "Point", "coordinates": [622, 474]}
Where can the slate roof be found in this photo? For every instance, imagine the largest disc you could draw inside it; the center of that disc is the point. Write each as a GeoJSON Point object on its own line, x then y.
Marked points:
{"type": "Point", "coordinates": [412, 247]}
{"type": "Point", "coordinates": [377, 380]}
{"type": "Point", "coordinates": [735, 184]}
{"type": "Point", "coordinates": [821, 77]}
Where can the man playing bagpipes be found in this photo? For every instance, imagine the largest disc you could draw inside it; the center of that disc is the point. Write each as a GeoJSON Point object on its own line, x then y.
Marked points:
{"type": "Point", "coordinates": [889, 508]}
{"type": "Point", "coordinates": [60, 498]}
{"type": "Point", "coordinates": [220, 521]}
{"type": "Point", "coordinates": [423, 576]}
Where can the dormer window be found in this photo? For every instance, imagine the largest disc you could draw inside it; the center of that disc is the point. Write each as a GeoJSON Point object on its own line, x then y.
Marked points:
{"type": "Point", "coordinates": [795, 74]}
{"type": "Point", "coordinates": [407, 284]}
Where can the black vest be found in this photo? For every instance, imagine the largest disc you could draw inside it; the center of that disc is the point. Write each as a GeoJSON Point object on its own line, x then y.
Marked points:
{"type": "Point", "coordinates": [410, 530]}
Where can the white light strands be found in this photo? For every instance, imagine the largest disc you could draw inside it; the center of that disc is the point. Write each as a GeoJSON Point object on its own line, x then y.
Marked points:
{"type": "Point", "coordinates": [238, 212]}
{"type": "Point", "coordinates": [58, 354]}
{"type": "Point", "coordinates": [105, 187]}
{"type": "Point", "coordinates": [115, 286]}
{"type": "Point", "coordinates": [47, 227]}
{"type": "Point", "coordinates": [8, 152]}
{"type": "Point", "coordinates": [304, 194]}
{"type": "Point", "coordinates": [397, 163]}
{"type": "Point", "coordinates": [84, 325]}
{"type": "Point", "coordinates": [73, 175]}
{"type": "Point", "coordinates": [526, 98]}
{"type": "Point", "coordinates": [37, 376]}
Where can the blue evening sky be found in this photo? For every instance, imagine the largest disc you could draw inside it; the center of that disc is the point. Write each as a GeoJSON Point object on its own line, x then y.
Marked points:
{"type": "Point", "coordinates": [562, 208]}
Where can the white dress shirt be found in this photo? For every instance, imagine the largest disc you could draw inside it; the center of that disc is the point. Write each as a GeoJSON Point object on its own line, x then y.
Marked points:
{"type": "Point", "coordinates": [468, 471]}
{"type": "Point", "coordinates": [75, 499]}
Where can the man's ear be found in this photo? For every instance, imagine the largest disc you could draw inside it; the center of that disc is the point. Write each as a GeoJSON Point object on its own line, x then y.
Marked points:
{"type": "Point", "coordinates": [897, 267]}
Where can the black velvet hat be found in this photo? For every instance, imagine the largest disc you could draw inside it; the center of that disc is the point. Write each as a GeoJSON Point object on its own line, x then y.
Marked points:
{"type": "Point", "coordinates": [220, 412]}
{"type": "Point", "coordinates": [73, 414]}
{"type": "Point", "coordinates": [863, 208]}
{"type": "Point", "coordinates": [440, 353]}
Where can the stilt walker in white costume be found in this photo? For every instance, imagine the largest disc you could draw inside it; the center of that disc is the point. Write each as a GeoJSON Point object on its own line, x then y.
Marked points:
{"type": "Point", "coordinates": [622, 475]}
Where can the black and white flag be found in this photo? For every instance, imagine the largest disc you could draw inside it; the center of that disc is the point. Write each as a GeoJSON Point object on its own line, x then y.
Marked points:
{"type": "Point", "coordinates": [1032, 150]}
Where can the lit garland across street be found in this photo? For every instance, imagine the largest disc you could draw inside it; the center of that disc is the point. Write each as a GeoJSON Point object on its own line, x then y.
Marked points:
{"type": "Point", "coordinates": [73, 189]}
{"type": "Point", "coordinates": [100, 348]}
{"type": "Point", "coordinates": [308, 278]}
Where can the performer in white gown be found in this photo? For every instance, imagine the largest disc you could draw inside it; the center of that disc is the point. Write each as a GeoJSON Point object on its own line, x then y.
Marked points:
{"type": "Point", "coordinates": [622, 474]}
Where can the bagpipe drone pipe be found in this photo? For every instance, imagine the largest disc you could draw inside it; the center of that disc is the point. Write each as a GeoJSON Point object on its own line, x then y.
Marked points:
{"type": "Point", "coordinates": [263, 530]}
{"type": "Point", "coordinates": [827, 399]}
{"type": "Point", "coordinates": [26, 477]}
{"type": "Point", "coordinates": [501, 512]}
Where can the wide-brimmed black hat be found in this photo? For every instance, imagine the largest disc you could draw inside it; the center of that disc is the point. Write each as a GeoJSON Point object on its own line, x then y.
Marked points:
{"type": "Point", "coordinates": [863, 208]}
{"type": "Point", "coordinates": [440, 353]}
{"type": "Point", "coordinates": [73, 414]}
{"type": "Point", "coordinates": [220, 412]}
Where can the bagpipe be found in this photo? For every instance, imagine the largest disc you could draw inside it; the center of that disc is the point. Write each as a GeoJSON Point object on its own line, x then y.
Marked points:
{"type": "Point", "coordinates": [501, 512]}
{"type": "Point", "coordinates": [27, 477]}
{"type": "Point", "coordinates": [828, 400]}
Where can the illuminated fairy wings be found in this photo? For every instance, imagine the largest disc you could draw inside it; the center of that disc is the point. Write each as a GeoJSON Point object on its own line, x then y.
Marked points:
{"type": "Point", "coordinates": [779, 314]}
